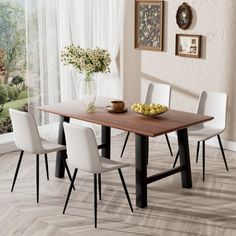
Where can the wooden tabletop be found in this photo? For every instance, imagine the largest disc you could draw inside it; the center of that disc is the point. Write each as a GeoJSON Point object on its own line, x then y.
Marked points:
{"type": "Point", "coordinates": [167, 122]}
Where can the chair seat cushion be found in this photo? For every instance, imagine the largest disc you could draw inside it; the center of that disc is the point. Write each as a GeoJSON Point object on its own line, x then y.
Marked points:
{"type": "Point", "coordinates": [108, 165]}
{"type": "Point", "coordinates": [203, 133]}
{"type": "Point", "coordinates": [49, 146]}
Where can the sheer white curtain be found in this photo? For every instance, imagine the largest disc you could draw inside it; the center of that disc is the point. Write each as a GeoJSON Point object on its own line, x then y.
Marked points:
{"type": "Point", "coordinates": [42, 56]}
{"type": "Point", "coordinates": [51, 25]}
{"type": "Point", "coordinates": [75, 27]}
{"type": "Point", "coordinates": [107, 28]}
{"type": "Point", "coordinates": [92, 23]}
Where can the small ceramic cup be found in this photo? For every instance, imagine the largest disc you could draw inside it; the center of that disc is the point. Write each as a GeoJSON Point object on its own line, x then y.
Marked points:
{"type": "Point", "coordinates": [117, 105]}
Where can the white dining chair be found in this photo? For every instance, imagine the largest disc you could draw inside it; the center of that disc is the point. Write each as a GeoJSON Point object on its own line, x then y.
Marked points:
{"type": "Point", "coordinates": [211, 104]}
{"type": "Point", "coordinates": [155, 93]}
{"type": "Point", "coordinates": [83, 154]}
{"type": "Point", "coordinates": [27, 139]}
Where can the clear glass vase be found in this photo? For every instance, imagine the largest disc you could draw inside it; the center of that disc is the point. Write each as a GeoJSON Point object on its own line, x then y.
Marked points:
{"type": "Point", "coordinates": [88, 92]}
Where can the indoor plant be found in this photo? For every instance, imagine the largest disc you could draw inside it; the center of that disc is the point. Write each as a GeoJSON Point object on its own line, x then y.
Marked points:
{"type": "Point", "coordinates": [87, 61]}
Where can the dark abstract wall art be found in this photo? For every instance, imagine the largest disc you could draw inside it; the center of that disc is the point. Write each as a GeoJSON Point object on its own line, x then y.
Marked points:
{"type": "Point", "coordinates": [149, 24]}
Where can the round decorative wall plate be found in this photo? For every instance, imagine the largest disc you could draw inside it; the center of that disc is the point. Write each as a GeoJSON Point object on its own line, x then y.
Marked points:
{"type": "Point", "coordinates": [184, 16]}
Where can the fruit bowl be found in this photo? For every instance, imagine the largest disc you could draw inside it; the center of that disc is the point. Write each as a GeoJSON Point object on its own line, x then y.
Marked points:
{"type": "Point", "coordinates": [149, 110]}
{"type": "Point", "coordinates": [151, 115]}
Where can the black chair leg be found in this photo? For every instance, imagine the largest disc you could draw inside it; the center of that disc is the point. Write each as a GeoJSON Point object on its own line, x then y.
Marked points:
{"type": "Point", "coordinates": [63, 157]}
{"type": "Point", "coordinates": [95, 200]}
{"type": "Point", "coordinates": [125, 188]}
{"type": "Point", "coordinates": [17, 169]}
{"type": "Point", "coordinates": [70, 188]}
{"type": "Point", "coordinates": [99, 187]}
{"type": "Point", "coordinates": [198, 145]}
{"type": "Point", "coordinates": [37, 177]}
{"type": "Point", "coordinates": [177, 155]}
{"type": "Point", "coordinates": [123, 149]}
{"type": "Point", "coordinates": [46, 165]}
{"type": "Point", "coordinates": [203, 160]}
{"type": "Point", "coordinates": [168, 142]}
{"type": "Point", "coordinates": [222, 151]}
{"type": "Point", "coordinates": [176, 159]}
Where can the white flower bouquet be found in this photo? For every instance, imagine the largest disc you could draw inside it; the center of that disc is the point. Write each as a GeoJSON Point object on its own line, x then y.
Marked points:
{"type": "Point", "coordinates": [87, 61]}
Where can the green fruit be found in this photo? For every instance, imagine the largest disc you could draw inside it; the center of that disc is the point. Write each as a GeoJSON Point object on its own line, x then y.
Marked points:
{"type": "Point", "coordinates": [152, 112]}
{"type": "Point", "coordinates": [149, 109]}
{"type": "Point", "coordinates": [133, 106]}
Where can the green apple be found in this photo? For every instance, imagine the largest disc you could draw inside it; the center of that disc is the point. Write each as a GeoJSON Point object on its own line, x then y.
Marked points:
{"type": "Point", "coordinates": [152, 112]}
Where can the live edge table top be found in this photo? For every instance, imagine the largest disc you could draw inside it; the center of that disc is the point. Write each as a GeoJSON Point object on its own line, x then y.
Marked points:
{"type": "Point", "coordinates": [167, 122]}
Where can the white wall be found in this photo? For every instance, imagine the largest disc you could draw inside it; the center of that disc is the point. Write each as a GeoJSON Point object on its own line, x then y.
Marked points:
{"type": "Point", "coordinates": [215, 71]}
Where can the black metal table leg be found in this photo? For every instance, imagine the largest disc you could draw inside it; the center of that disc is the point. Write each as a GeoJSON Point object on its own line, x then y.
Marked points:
{"type": "Point", "coordinates": [106, 139]}
{"type": "Point", "coordinates": [60, 167]}
{"type": "Point", "coordinates": [184, 158]}
{"type": "Point", "coordinates": [141, 155]}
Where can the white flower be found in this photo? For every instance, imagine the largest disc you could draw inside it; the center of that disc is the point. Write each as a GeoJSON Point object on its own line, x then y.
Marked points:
{"type": "Point", "coordinates": [86, 60]}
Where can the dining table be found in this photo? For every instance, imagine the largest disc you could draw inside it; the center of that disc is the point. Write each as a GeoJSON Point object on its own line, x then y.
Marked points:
{"type": "Point", "coordinates": [143, 127]}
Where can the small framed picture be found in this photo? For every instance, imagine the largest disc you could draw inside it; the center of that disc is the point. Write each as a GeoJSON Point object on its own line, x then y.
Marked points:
{"type": "Point", "coordinates": [149, 24]}
{"type": "Point", "coordinates": [188, 45]}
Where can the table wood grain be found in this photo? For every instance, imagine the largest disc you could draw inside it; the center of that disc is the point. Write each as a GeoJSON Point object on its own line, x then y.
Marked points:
{"type": "Point", "coordinates": [172, 120]}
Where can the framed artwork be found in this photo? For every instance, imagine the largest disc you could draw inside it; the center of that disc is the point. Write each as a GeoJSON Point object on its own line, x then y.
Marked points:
{"type": "Point", "coordinates": [188, 45]}
{"type": "Point", "coordinates": [184, 16]}
{"type": "Point", "coordinates": [149, 24]}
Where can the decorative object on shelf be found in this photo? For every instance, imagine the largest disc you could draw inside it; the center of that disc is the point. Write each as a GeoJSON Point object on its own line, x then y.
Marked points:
{"type": "Point", "coordinates": [149, 24]}
{"type": "Point", "coordinates": [184, 16]}
{"type": "Point", "coordinates": [188, 45]}
{"type": "Point", "coordinates": [87, 61]}
{"type": "Point", "coordinates": [149, 110]}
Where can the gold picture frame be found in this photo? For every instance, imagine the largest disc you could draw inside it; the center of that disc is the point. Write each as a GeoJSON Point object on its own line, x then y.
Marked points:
{"type": "Point", "coordinates": [188, 45]}
{"type": "Point", "coordinates": [149, 15]}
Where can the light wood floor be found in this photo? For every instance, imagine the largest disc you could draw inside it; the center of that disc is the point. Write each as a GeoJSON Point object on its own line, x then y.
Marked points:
{"type": "Point", "coordinates": [209, 208]}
